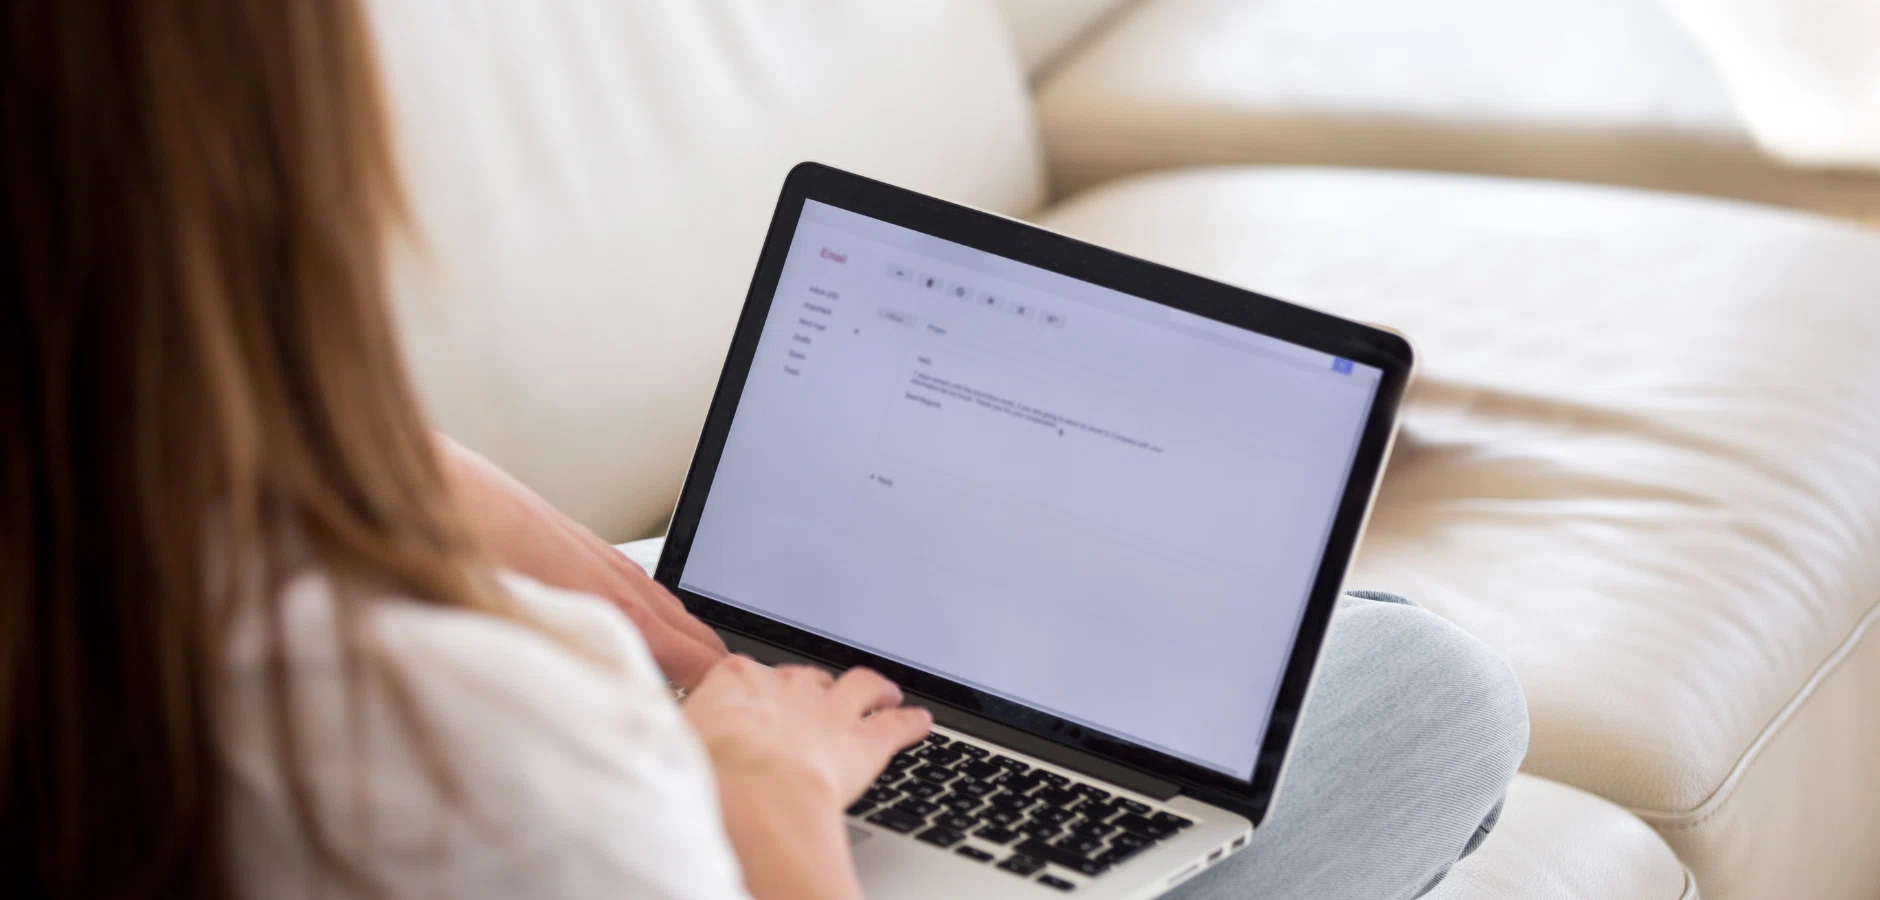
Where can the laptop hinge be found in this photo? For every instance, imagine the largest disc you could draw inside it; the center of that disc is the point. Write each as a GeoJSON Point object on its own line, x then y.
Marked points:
{"type": "Point", "coordinates": [981, 727]}
{"type": "Point", "coordinates": [1032, 745]}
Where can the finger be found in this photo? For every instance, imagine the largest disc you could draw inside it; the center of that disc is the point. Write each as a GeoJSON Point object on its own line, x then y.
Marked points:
{"type": "Point", "coordinates": [807, 675]}
{"type": "Point", "coordinates": [688, 623]}
{"type": "Point", "coordinates": [654, 594]}
{"type": "Point", "coordinates": [635, 584]}
{"type": "Point", "coordinates": [895, 729]}
{"type": "Point", "coordinates": [682, 660]}
{"type": "Point", "coordinates": [724, 669]}
{"type": "Point", "coordinates": [754, 674]}
{"type": "Point", "coordinates": [679, 617]}
{"type": "Point", "coordinates": [683, 657]}
{"type": "Point", "coordinates": [684, 647]}
{"type": "Point", "coordinates": [861, 691]}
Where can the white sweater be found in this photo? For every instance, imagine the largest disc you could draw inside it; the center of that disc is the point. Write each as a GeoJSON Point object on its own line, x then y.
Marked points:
{"type": "Point", "coordinates": [580, 781]}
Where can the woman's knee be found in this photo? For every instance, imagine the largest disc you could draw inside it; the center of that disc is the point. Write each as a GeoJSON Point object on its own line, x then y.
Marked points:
{"type": "Point", "coordinates": [1432, 723]}
{"type": "Point", "coordinates": [1425, 679]}
{"type": "Point", "coordinates": [1401, 760]}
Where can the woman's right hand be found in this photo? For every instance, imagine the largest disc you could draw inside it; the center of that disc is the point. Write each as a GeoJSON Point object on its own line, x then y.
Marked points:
{"type": "Point", "coordinates": [791, 747]}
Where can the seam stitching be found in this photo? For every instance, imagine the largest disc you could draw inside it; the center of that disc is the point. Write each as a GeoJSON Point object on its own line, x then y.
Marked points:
{"type": "Point", "coordinates": [1721, 797]}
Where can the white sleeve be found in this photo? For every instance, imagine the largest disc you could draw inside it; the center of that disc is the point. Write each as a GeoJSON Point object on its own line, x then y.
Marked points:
{"type": "Point", "coordinates": [578, 779]}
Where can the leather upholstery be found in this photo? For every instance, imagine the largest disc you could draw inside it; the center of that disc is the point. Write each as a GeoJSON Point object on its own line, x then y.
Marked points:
{"type": "Point", "coordinates": [1558, 843]}
{"type": "Point", "coordinates": [1042, 30]}
{"type": "Point", "coordinates": [1640, 463]}
{"type": "Point", "coordinates": [593, 180]}
{"type": "Point", "coordinates": [1606, 91]}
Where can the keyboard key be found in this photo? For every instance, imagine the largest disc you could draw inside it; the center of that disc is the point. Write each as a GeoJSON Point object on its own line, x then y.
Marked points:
{"type": "Point", "coordinates": [1009, 764]}
{"type": "Point", "coordinates": [1052, 815]}
{"type": "Point", "coordinates": [1020, 784]}
{"type": "Point", "coordinates": [974, 787]}
{"type": "Point", "coordinates": [860, 807]}
{"type": "Point", "coordinates": [935, 774]}
{"type": "Point", "coordinates": [1040, 830]}
{"type": "Point", "coordinates": [1132, 806]}
{"type": "Point", "coordinates": [1090, 791]}
{"type": "Point", "coordinates": [941, 837]}
{"type": "Point", "coordinates": [1000, 816]}
{"type": "Point", "coordinates": [1052, 881]}
{"type": "Point", "coordinates": [1170, 819]}
{"type": "Point", "coordinates": [901, 761]}
{"type": "Point", "coordinates": [972, 751]}
{"type": "Point", "coordinates": [961, 803]}
{"type": "Point", "coordinates": [1131, 841]}
{"type": "Point", "coordinates": [922, 789]}
{"type": "Point", "coordinates": [889, 778]}
{"type": "Point", "coordinates": [1075, 862]}
{"type": "Point", "coordinates": [975, 854]}
{"type": "Point", "coordinates": [995, 834]}
{"type": "Point", "coordinates": [896, 820]}
{"type": "Point", "coordinates": [1055, 780]}
{"type": "Point", "coordinates": [879, 796]}
{"type": "Point", "coordinates": [1116, 856]}
{"type": "Point", "coordinates": [940, 755]}
{"type": "Point", "coordinates": [915, 807]}
{"type": "Point", "coordinates": [1093, 829]}
{"type": "Point", "coordinates": [1019, 864]}
{"type": "Point", "coordinates": [1095, 812]}
{"type": "Point", "coordinates": [1057, 797]}
{"type": "Point", "coordinates": [957, 821]}
{"type": "Point", "coordinates": [1146, 827]}
{"type": "Point", "coordinates": [1013, 802]}
{"type": "Point", "coordinates": [936, 739]}
{"type": "Point", "coordinates": [1078, 844]}
{"type": "Point", "coordinates": [984, 771]}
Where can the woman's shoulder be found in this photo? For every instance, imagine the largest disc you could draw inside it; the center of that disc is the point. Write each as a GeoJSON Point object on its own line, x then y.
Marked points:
{"type": "Point", "coordinates": [320, 619]}
{"type": "Point", "coordinates": [570, 660]}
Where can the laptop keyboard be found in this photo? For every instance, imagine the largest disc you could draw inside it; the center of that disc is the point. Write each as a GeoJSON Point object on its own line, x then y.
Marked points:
{"type": "Point", "coordinates": [944, 790]}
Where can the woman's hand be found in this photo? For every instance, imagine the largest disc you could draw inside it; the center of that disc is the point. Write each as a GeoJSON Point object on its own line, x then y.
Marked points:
{"type": "Point", "coordinates": [522, 531]}
{"type": "Point", "coordinates": [791, 747]}
{"type": "Point", "coordinates": [830, 736]}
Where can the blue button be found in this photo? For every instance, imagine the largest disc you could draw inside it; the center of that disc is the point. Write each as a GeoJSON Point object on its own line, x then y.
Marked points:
{"type": "Point", "coordinates": [1341, 366]}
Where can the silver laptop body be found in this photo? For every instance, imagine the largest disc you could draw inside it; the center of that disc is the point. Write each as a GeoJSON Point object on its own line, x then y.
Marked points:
{"type": "Point", "coordinates": [1094, 512]}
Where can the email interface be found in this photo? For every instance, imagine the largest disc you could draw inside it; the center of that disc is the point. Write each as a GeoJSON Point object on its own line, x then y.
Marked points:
{"type": "Point", "coordinates": [1080, 500]}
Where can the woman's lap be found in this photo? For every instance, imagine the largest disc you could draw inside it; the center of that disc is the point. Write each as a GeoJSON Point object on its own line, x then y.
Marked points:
{"type": "Point", "coordinates": [1412, 733]}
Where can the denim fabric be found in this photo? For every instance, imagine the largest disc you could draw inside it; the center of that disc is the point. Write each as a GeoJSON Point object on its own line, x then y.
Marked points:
{"type": "Point", "coordinates": [1405, 749]}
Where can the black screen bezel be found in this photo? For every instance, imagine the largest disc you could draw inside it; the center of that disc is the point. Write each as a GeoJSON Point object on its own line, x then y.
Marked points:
{"type": "Point", "coordinates": [1028, 244]}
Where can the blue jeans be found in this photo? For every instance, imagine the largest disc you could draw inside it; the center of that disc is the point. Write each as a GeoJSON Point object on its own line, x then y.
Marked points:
{"type": "Point", "coordinates": [1406, 747]}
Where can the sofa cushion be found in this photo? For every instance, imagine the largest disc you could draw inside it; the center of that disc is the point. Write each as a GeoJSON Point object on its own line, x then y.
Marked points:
{"type": "Point", "coordinates": [1558, 843]}
{"type": "Point", "coordinates": [1042, 30]}
{"type": "Point", "coordinates": [1608, 91]}
{"type": "Point", "coordinates": [593, 180]}
{"type": "Point", "coordinates": [1640, 461]}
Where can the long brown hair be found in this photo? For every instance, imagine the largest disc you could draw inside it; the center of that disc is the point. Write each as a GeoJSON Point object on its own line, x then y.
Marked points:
{"type": "Point", "coordinates": [195, 355]}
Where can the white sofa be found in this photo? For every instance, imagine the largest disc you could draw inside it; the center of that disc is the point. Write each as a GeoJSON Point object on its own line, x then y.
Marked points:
{"type": "Point", "coordinates": [1641, 464]}
{"type": "Point", "coordinates": [1605, 91]}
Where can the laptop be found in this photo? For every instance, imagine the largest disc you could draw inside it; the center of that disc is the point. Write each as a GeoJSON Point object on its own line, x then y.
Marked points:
{"type": "Point", "coordinates": [1092, 511]}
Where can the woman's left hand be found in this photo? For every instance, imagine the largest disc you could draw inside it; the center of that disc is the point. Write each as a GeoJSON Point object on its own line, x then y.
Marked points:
{"type": "Point", "coordinates": [521, 530]}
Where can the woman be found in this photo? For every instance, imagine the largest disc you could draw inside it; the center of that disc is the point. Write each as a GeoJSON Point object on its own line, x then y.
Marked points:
{"type": "Point", "coordinates": [262, 635]}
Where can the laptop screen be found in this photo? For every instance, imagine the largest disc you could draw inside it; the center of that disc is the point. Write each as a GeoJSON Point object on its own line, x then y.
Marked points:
{"type": "Point", "coordinates": [1079, 500]}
